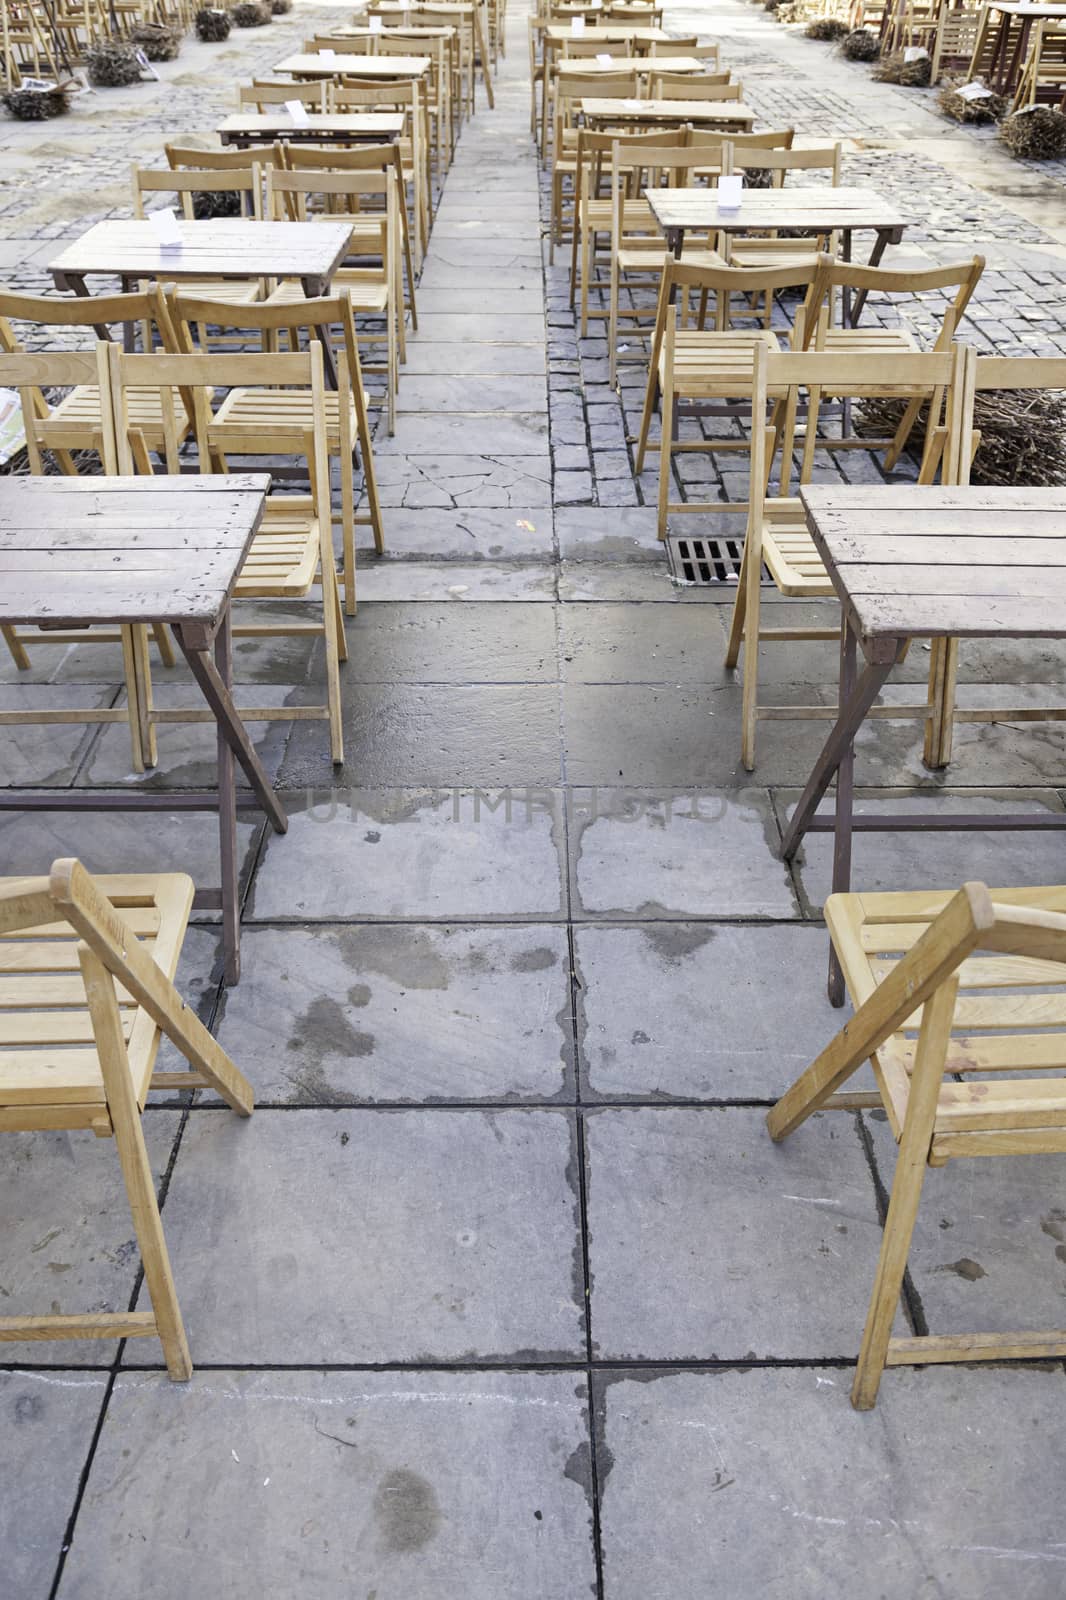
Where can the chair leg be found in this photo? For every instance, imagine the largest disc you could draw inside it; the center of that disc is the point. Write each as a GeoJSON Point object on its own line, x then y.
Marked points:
{"type": "Point", "coordinates": [143, 681]}
{"type": "Point", "coordinates": [333, 681]}
{"type": "Point", "coordinates": [18, 654]}
{"type": "Point", "coordinates": [133, 1158]}
{"type": "Point", "coordinates": [348, 527]}
{"type": "Point", "coordinates": [588, 256]}
{"type": "Point", "coordinates": [163, 644]}
{"type": "Point", "coordinates": [736, 620]}
{"type": "Point", "coordinates": [646, 416]}
{"type": "Point", "coordinates": [750, 685]}
{"type": "Point", "coordinates": [669, 413]}
{"type": "Point", "coordinates": [612, 324]}
{"type": "Point", "coordinates": [393, 368]}
{"type": "Point", "coordinates": [133, 701]}
{"type": "Point", "coordinates": [903, 433]}
{"type": "Point", "coordinates": [926, 1078]}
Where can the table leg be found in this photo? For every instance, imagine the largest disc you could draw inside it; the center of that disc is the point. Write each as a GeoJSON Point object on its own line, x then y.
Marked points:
{"type": "Point", "coordinates": [849, 720]}
{"type": "Point", "coordinates": [845, 800]}
{"type": "Point", "coordinates": [315, 289]}
{"type": "Point", "coordinates": [227, 818]}
{"type": "Point", "coordinates": [75, 282]}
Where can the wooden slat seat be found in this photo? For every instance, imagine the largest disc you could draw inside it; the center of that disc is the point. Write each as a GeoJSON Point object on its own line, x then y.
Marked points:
{"type": "Point", "coordinates": [78, 415]}
{"type": "Point", "coordinates": [716, 365]}
{"type": "Point", "coordinates": [280, 418]}
{"type": "Point", "coordinates": [86, 997]}
{"type": "Point", "coordinates": [283, 559]}
{"type": "Point", "coordinates": [951, 990]}
{"type": "Point", "coordinates": [789, 553]}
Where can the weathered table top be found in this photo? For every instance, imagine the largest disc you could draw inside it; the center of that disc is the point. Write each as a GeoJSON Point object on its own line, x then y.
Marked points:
{"type": "Point", "coordinates": [1012, 8]}
{"type": "Point", "coordinates": [229, 247]}
{"type": "Point", "coordinates": [421, 30]}
{"type": "Point", "coordinates": [963, 563]}
{"type": "Point", "coordinates": [341, 125]}
{"type": "Point", "coordinates": [124, 549]}
{"type": "Point", "coordinates": [814, 209]}
{"type": "Point", "coordinates": [612, 33]}
{"type": "Point", "coordinates": [671, 111]}
{"type": "Point", "coordinates": [350, 65]}
{"type": "Point", "coordinates": [589, 67]}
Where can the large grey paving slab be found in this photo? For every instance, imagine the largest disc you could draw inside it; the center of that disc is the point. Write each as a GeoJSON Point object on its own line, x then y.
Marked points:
{"type": "Point", "coordinates": [48, 1424]}
{"type": "Point", "coordinates": [450, 581]}
{"type": "Point", "coordinates": [617, 644]}
{"type": "Point", "coordinates": [124, 842]}
{"type": "Point", "coordinates": [421, 854]}
{"type": "Point", "coordinates": [518, 272]}
{"type": "Point", "coordinates": [709, 1242]}
{"type": "Point", "coordinates": [596, 582]}
{"type": "Point", "coordinates": [941, 860]}
{"type": "Point", "coordinates": [479, 393]}
{"type": "Point", "coordinates": [334, 1016]}
{"type": "Point", "coordinates": [982, 753]}
{"type": "Point", "coordinates": [338, 1485]}
{"type": "Point", "coordinates": [486, 326]}
{"type": "Point", "coordinates": [767, 1480]}
{"type": "Point", "coordinates": [68, 1243]}
{"type": "Point", "coordinates": [458, 354]}
{"type": "Point", "coordinates": [988, 1254]}
{"type": "Point", "coordinates": [474, 229]}
{"type": "Point", "coordinates": [692, 1010]}
{"type": "Point", "coordinates": [497, 297]}
{"type": "Point", "coordinates": [436, 644]}
{"type": "Point", "coordinates": [597, 533]}
{"type": "Point", "coordinates": [470, 433]}
{"type": "Point", "coordinates": [458, 481]}
{"type": "Point", "coordinates": [435, 733]}
{"type": "Point", "coordinates": [476, 533]}
{"type": "Point", "coordinates": [376, 1236]}
{"type": "Point", "coordinates": [677, 853]}
{"type": "Point", "coordinates": [49, 754]}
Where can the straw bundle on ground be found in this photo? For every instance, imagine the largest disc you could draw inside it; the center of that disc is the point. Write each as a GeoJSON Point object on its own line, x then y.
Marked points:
{"type": "Point", "coordinates": [911, 74]}
{"type": "Point", "coordinates": [985, 108]}
{"type": "Point", "coordinates": [33, 105]}
{"type": "Point", "coordinates": [1034, 134]}
{"type": "Point", "coordinates": [1023, 435]}
{"type": "Point", "coordinates": [214, 203]}
{"type": "Point", "coordinates": [861, 45]}
{"type": "Point", "coordinates": [212, 24]}
{"type": "Point", "coordinates": [828, 28]}
{"type": "Point", "coordinates": [158, 41]}
{"type": "Point", "coordinates": [112, 64]}
{"type": "Point", "coordinates": [281, 8]}
{"type": "Point", "coordinates": [250, 14]}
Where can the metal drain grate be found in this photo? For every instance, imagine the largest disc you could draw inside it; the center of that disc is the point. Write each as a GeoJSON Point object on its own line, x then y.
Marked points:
{"type": "Point", "coordinates": [705, 561]}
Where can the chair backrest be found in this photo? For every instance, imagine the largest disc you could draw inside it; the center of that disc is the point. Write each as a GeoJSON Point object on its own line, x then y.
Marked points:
{"type": "Point", "coordinates": [189, 314]}
{"type": "Point", "coordinates": [606, 85]}
{"type": "Point", "coordinates": [693, 86]}
{"type": "Point", "coordinates": [962, 277]}
{"type": "Point", "coordinates": [997, 375]}
{"type": "Point", "coordinates": [262, 95]}
{"type": "Point", "coordinates": [32, 372]}
{"type": "Point", "coordinates": [777, 162]}
{"type": "Point", "coordinates": [181, 157]}
{"type": "Point", "coordinates": [246, 182]}
{"type": "Point", "coordinates": [339, 194]}
{"type": "Point", "coordinates": [578, 49]}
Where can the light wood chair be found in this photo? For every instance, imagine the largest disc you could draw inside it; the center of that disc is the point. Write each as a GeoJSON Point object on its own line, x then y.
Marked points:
{"type": "Point", "coordinates": [567, 97]}
{"type": "Point", "coordinates": [955, 994]}
{"type": "Point", "coordinates": [776, 535]}
{"type": "Point", "coordinates": [293, 549]}
{"type": "Point", "coordinates": [273, 422]}
{"type": "Point", "coordinates": [375, 289]}
{"type": "Point", "coordinates": [668, 85]}
{"type": "Point", "coordinates": [86, 997]}
{"type": "Point", "coordinates": [263, 94]}
{"type": "Point", "coordinates": [954, 40]}
{"type": "Point", "coordinates": [246, 182]}
{"type": "Point", "coordinates": [353, 94]}
{"type": "Point", "coordinates": [1043, 75]}
{"type": "Point", "coordinates": [770, 248]}
{"type": "Point", "coordinates": [190, 157]}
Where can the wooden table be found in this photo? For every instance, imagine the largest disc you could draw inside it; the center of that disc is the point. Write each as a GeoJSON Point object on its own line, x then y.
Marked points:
{"type": "Point", "coordinates": [933, 563]}
{"type": "Point", "coordinates": [343, 64]}
{"type": "Point", "coordinates": [1003, 40]}
{"type": "Point", "coordinates": [228, 247]}
{"type": "Point", "coordinates": [669, 113]}
{"type": "Point", "coordinates": [643, 66]}
{"type": "Point", "coordinates": [558, 34]}
{"type": "Point", "coordinates": [352, 127]}
{"type": "Point", "coordinates": [125, 551]}
{"type": "Point", "coordinates": [818, 210]}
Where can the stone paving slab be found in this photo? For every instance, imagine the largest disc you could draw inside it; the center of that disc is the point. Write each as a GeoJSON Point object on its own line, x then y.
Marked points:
{"type": "Point", "coordinates": [459, 434]}
{"type": "Point", "coordinates": [377, 1484]}
{"type": "Point", "coordinates": [458, 481]}
{"type": "Point", "coordinates": [69, 1244]}
{"type": "Point", "coordinates": [376, 1245]}
{"type": "Point", "coordinates": [188, 752]}
{"type": "Point", "coordinates": [335, 1016]}
{"type": "Point", "coordinates": [708, 1242]}
{"type": "Point", "coordinates": [426, 643]}
{"type": "Point", "coordinates": [48, 1426]}
{"type": "Point", "coordinates": [457, 354]}
{"type": "Point", "coordinates": [769, 1481]}
{"type": "Point", "coordinates": [419, 854]}
{"type": "Point", "coordinates": [49, 753]}
{"type": "Point", "coordinates": [679, 854]}
{"type": "Point", "coordinates": [484, 393]}
{"type": "Point", "coordinates": [447, 581]}
{"type": "Point", "coordinates": [476, 533]}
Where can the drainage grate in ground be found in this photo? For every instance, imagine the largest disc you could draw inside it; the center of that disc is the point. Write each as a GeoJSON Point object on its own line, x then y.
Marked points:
{"type": "Point", "coordinates": [705, 561]}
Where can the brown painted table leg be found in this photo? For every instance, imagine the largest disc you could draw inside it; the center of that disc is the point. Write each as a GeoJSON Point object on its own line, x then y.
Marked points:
{"type": "Point", "coordinates": [845, 802]}
{"type": "Point", "coordinates": [227, 819]}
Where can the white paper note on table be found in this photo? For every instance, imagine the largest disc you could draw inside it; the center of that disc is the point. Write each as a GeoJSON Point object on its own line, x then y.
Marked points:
{"type": "Point", "coordinates": [604, 60]}
{"type": "Point", "coordinates": [165, 224]}
{"type": "Point", "coordinates": [577, 25]}
{"type": "Point", "coordinates": [375, 24]}
{"type": "Point", "coordinates": [730, 192]}
{"type": "Point", "coordinates": [298, 112]}
{"type": "Point", "coordinates": [328, 55]}
{"type": "Point", "coordinates": [973, 91]}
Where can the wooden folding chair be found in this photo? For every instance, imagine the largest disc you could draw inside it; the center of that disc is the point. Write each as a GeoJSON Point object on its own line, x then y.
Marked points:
{"type": "Point", "coordinates": [264, 94]}
{"type": "Point", "coordinates": [86, 997]}
{"type": "Point", "coordinates": [356, 94]}
{"type": "Point", "coordinates": [293, 549]}
{"type": "Point", "coordinates": [951, 992]}
{"type": "Point", "coordinates": [770, 249]}
{"type": "Point", "coordinates": [567, 97]}
{"type": "Point", "coordinates": [245, 181]}
{"type": "Point", "coordinates": [776, 535]}
{"type": "Point", "coordinates": [954, 40]}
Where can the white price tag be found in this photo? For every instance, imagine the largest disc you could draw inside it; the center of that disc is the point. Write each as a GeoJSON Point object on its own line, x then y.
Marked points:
{"type": "Point", "coordinates": [12, 431]}
{"type": "Point", "coordinates": [43, 85]}
{"type": "Point", "coordinates": [165, 224]}
{"type": "Point", "coordinates": [973, 91]}
{"type": "Point", "coordinates": [915, 52]}
{"type": "Point", "coordinates": [375, 24]}
{"type": "Point", "coordinates": [145, 65]}
{"type": "Point", "coordinates": [605, 60]}
{"type": "Point", "coordinates": [730, 191]}
{"type": "Point", "coordinates": [633, 105]}
{"type": "Point", "coordinates": [298, 112]}
{"type": "Point", "coordinates": [328, 55]}
{"type": "Point", "coordinates": [577, 26]}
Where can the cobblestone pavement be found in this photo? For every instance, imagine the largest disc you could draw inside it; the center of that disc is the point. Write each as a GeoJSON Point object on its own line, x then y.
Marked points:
{"type": "Point", "coordinates": [503, 1293]}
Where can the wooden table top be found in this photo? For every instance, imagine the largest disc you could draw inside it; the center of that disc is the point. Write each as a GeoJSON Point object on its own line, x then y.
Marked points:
{"type": "Point", "coordinates": [229, 247]}
{"type": "Point", "coordinates": [964, 563]}
{"type": "Point", "coordinates": [612, 33]}
{"type": "Point", "coordinates": [814, 209]}
{"type": "Point", "coordinates": [672, 111]}
{"type": "Point", "coordinates": [1012, 8]}
{"type": "Point", "coordinates": [418, 29]}
{"type": "Point", "coordinates": [589, 67]}
{"type": "Point", "coordinates": [280, 125]}
{"type": "Point", "coordinates": [355, 66]}
{"type": "Point", "coordinates": [124, 549]}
